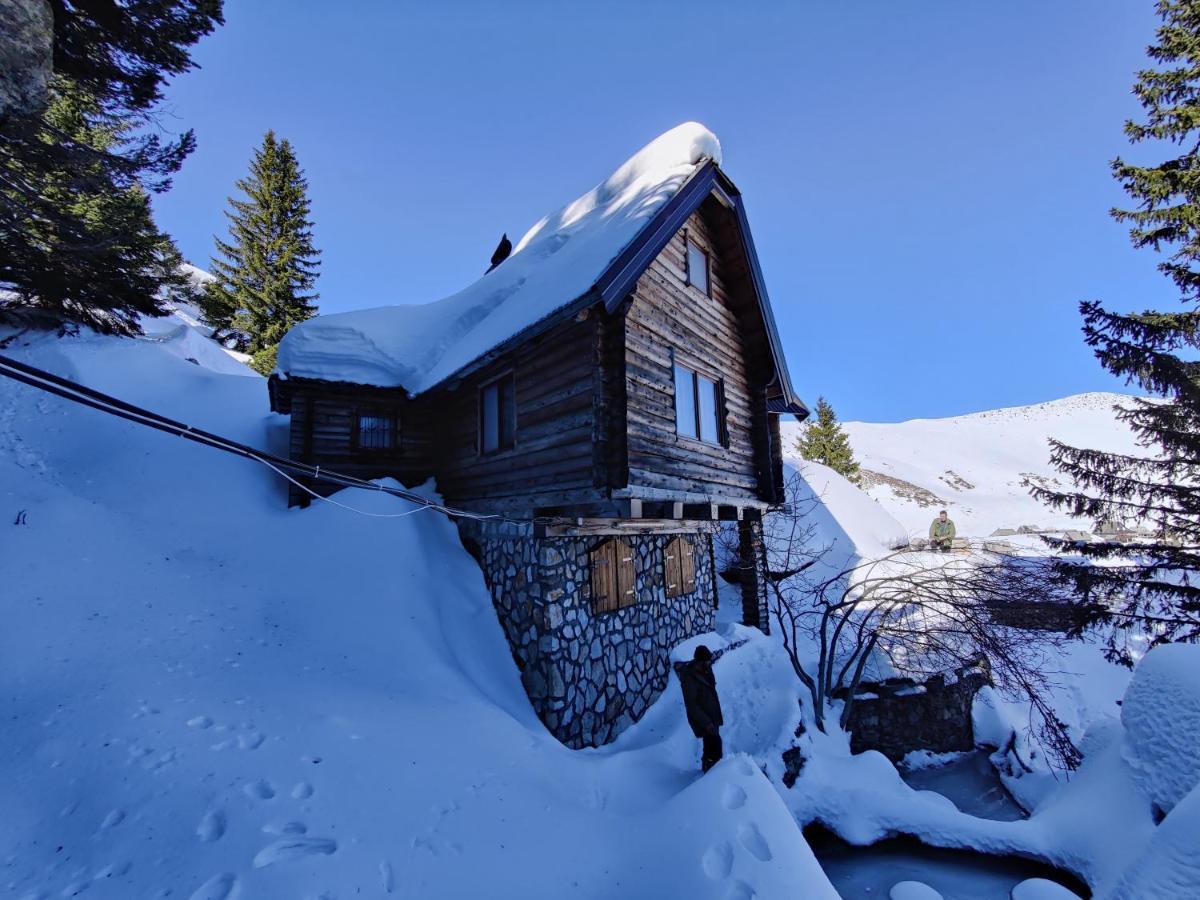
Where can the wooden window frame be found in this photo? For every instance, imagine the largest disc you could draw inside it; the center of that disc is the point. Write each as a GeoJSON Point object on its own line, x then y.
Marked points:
{"type": "Point", "coordinates": [378, 412]}
{"type": "Point", "coordinates": [719, 411]}
{"type": "Point", "coordinates": [612, 571]}
{"type": "Point", "coordinates": [479, 435]}
{"type": "Point", "coordinates": [679, 566]}
{"type": "Point", "coordinates": [688, 244]}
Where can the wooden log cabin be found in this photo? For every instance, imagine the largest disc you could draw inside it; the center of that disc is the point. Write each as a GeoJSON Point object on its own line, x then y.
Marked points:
{"type": "Point", "coordinates": [610, 393]}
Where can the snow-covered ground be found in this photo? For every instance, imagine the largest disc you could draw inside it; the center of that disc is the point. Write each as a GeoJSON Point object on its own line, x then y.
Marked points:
{"type": "Point", "coordinates": [980, 466]}
{"type": "Point", "coordinates": [208, 695]}
{"type": "Point", "coordinates": [212, 697]}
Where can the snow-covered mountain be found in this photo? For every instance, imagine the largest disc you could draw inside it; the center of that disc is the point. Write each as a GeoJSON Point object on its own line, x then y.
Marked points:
{"type": "Point", "coordinates": [980, 466]}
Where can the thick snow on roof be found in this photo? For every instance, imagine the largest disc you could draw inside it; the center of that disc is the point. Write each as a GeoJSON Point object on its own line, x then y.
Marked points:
{"type": "Point", "coordinates": [557, 261]}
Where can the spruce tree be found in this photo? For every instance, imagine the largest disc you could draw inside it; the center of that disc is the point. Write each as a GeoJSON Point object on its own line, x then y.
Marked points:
{"type": "Point", "coordinates": [77, 240]}
{"type": "Point", "coordinates": [267, 268]}
{"type": "Point", "coordinates": [1154, 585]}
{"type": "Point", "coordinates": [98, 259]}
{"type": "Point", "coordinates": [825, 442]}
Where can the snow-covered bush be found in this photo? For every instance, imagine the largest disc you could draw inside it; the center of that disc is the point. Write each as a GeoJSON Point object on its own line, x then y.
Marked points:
{"type": "Point", "coordinates": [1161, 715]}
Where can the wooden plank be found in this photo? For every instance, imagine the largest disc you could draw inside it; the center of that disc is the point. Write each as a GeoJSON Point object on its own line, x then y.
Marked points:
{"type": "Point", "coordinates": [602, 563]}
{"type": "Point", "coordinates": [626, 572]}
{"type": "Point", "coordinates": [672, 568]}
{"type": "Point", "coordinates": [687, 565]}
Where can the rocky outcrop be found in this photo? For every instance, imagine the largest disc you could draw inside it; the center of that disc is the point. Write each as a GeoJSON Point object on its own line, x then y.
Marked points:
{"type": "Point", "coordinates": [26, 55]}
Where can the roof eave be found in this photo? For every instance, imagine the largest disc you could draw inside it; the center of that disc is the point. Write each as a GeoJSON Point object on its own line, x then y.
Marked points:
{"type": "Point", "coordinates": [787, 400]}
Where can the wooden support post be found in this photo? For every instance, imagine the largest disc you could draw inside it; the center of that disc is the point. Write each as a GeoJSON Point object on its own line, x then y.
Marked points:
{"type": "Point", "coordinates": [751, 568]}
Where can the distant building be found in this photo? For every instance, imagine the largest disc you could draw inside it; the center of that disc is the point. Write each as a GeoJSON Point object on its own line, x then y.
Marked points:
{"type": "Point", "coordinates": [609, 392]}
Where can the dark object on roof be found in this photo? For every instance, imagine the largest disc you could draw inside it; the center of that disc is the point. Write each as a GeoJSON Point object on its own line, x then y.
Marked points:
{"type": "Point", "coordinates": [502, 250]}
{"type": "Point", "coordinates": [618, 280]}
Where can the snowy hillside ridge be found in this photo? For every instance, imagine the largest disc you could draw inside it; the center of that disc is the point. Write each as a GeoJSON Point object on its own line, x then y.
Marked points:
{"type": "Point", "coordinates": [556, 262]}
{"type": "Point", "coordinates": [184, 333]}
{"type": "Point", "coordinates": [980, 466]}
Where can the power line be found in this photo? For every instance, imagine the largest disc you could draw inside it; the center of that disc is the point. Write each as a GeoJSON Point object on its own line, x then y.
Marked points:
{"type": "Point", "coordinates": [85, 396]}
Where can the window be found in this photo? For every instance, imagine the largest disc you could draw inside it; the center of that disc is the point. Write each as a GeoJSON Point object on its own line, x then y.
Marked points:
{"type": "Point", "coordinates": [498, 414]}
{"type": "Point", "coordinates": [375, 430]}
{"type": "Point", "coordinates": [697, 267]}
{"type": "Point", "coordinates": [685, 402]}
{"type": "Point", "coordinates": [698, 407]}
{"type": "Point", "coordinates": [679, 567]}
{"type": "Point", "coordinates": [614, 575]}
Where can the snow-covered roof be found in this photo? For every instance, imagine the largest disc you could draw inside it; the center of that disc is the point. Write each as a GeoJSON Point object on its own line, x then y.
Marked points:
{"type": "Point", "coordinates": [557, 261]}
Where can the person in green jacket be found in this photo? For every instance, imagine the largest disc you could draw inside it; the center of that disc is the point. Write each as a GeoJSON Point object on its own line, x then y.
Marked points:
{"type": "Point", "coordinates": [941, 532]}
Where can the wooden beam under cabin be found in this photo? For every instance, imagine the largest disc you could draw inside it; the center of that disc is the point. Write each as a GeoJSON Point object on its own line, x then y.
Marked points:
{"type": "Point", "coordinates": [605, 526]}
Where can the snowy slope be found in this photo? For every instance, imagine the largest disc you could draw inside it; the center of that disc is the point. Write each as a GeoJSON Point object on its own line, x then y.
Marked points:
{"type": "Point", "coordinates": [557, 261]}
{"type": "Point", "coordinates": [210, 696]}
{"type": "Point", "coordinates": [979, 466]}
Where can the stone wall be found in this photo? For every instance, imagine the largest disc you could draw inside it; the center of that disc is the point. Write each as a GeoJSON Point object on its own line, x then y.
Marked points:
{"type": "Point", "coordinates": [899, 715]}
{"type": "Point", "coordinates": [588, 676]}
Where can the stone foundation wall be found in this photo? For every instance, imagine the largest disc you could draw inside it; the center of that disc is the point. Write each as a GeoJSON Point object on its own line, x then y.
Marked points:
{"type": "Point", "coordinates": [588, 676]}
{"type": "Point", "coordinates": [898, 716]}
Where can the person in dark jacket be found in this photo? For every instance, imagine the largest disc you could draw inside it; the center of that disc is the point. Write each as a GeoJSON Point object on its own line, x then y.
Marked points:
{"type": "Point", "coordinates": [702, 704]}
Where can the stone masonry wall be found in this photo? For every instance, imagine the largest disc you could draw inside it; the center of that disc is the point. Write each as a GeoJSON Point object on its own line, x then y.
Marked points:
{"type": "Point", "coordinates": [899, 715]}
{"type": "Point", "coordinates": [588, 676]}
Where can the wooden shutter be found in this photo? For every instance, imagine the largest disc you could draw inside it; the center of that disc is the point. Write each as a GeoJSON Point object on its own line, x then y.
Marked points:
{"type": "Point", "coordinates": [672, 568]}
{"type": "Point", "coordinates": [626, 573]}
{"type": "Point", "coordinates": [687, 565]}
{"type": "Point", "coordinates": [601, 560]}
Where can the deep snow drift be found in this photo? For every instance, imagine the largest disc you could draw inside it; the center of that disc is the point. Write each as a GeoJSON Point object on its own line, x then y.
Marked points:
{"type": "Point", "coordinates": [979, 466]}
{"type": "Point", "coordinates": [558, 260]}
{"type": "Point", "coordinates": [209, 696]}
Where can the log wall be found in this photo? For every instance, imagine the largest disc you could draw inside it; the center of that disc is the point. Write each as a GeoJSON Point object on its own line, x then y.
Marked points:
{"type": "Point", "coordinates": [670, 321]}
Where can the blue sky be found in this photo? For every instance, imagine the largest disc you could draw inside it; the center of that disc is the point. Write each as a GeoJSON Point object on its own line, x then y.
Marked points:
{"type": "Point", "coordinates": [927, 182]}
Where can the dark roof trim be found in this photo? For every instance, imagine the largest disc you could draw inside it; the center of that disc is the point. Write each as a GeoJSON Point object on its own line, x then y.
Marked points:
{"type": "Point", "coordinates": [787, 394]}
{"type": "Point", "coordinates": [622, 274]}
{"type": "Point", "coordinates": [619, 279]}
{"type": "Point", "coordinates": [778, 405]}
{"type": "Point", "coordinates": [624, 271]}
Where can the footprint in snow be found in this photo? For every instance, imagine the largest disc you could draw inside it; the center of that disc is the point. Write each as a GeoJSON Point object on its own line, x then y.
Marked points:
{"type": "Point", "coordinates": [753, 841]}
{"type": "Point", "coordinates": [113, 819]}
{"type": "Point", "coordinates": [302, 791]}
{"type": "Point", "coordinates": [733, 797]}
{"type": "Point", "coordinates": [219, 887]}
{"type": "Point", "coordinates": [251, 741]}
{"type": "Point", "coordinates": [285, 828]}
{"type": "Point", "coordinates": [259, 790]}
{"type": "Point", "coordinates": [113, 870]}
{"type": "Point", "coordinates": [212, 826]}
{"type": "Point", "coordinates": [200, 722]}
{"type": "Point", "coordinates": [740, 891]}
{"type": "Point", "coordinates": [293, 848]}
{"type": "Point", "coordinates": [717, 861]}
{"type": "Point", "coordinates": [387, 879]}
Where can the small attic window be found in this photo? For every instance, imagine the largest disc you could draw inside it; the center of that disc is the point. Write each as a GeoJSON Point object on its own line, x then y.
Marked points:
{"type": "Point", "coordinates": [698, 267]}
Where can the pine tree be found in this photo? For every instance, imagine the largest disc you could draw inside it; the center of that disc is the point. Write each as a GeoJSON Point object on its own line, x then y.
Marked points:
{"type": "Point", "coordinates": [265, 277]}
{"type": "Point", "coordinates": [99, 259]}
{"type": "Point", "coordinates": [1154, 585]}
{"type": "Point", "coordinates": [825, 442]}
{"type": "Point", "coordinates": [77, 240]}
